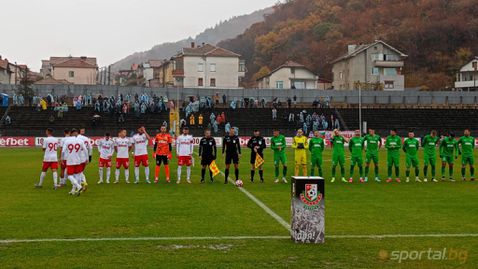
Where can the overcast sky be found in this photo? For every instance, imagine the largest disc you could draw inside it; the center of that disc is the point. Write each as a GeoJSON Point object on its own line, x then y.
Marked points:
{"type": "Point", "coordinates": [107, 29]}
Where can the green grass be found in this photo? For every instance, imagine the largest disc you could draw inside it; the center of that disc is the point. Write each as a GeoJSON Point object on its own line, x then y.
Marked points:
{"type": "Point", "coordinates": [213, 209]}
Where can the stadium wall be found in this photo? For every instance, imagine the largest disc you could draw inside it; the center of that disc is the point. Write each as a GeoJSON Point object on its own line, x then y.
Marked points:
{"type": "Point", "coordinates": [408, 97]}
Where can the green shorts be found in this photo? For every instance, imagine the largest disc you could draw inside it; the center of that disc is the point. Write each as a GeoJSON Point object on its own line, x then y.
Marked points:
{"type": "Point", "coordinates": [338, 159]}
{"type": "Point", "coordinates": [411, 161]}
{"type": "Point", "coordinates": [393, 160]}
{"type": "Point", "coordinates": [356, 160]}
{"type": "Point", "coordinates": [467, 160]}
{"type": "Point", "coordinates": [371, 157]}
{"type": "Point", "coordinates": [280, 158]}
{"type": "Point", "coordinates": [316, 160]}
{"type": "Point", "coordinates": [429, 160]}
{"type": "Point", "coordinates": [448, 159]}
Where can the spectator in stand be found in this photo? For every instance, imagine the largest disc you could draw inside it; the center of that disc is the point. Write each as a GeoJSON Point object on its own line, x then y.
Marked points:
{"type": "Point", "coordinates": [291, 117]}
{"type": "Point", "coordinates": [7, 121]}
{"type": "Point", "coordinates": [215, 127]}
{"type": "Point", "coordinates": [182, 123]}
{"type": "Point", "coordinates": [200, 121]}
{"type": "Point", "coordinates": [212, 117]}
{"type": "Point", "coordinates": [227, 127]}
{"type": "Point", "coordinates": [192, 120]}
{"type": "Point", "coordinates": [315, 103]}
{"type": "Point", "coordinates": [233, 105]}
{"type": "Point", "coordinates": [289, 102]}
{"type": "Point", "coordinates": [43, 104]}
{"type": "Point", "coordinates": [295, 100]}
{"type": "Point", "coordinates": [224, 99]}
{"type": "Point", "coordinates": [274, 114]}
{"type": "Point", "coordinates": [337, 124]}
{"type": "Point", "coordinates": [121, 118]}
{"type": "Point", "coordinates": [51, 119]}
{"type": "Point", "coordinates": [263, 102]}
{"type": "Point", "coordinates": [216, 99]}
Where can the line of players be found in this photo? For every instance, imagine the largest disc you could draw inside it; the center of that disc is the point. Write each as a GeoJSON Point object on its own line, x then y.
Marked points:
{"type": "Point", "coordinates": [449, 150]}
{"type": "Point", "coordinates": [76, 151]}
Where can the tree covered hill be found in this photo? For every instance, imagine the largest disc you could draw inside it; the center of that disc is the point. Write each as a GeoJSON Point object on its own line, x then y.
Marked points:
{"type": "Point", "coordinates": [438, 36]}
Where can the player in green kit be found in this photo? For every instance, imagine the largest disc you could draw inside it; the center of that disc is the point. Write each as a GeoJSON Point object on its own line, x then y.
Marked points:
{"type": "Point", "coordinates": [410, 147]}
{"type": "Point", "coordinates": [467, 143]}
{"type": "Point", "coordinates": [448, 155]}
{"type": "Point", "coordinates": [338, 154]}
{"type": "Point", "coordinates": [429, 143]}
{"type": "Point", "coordinates": [393, 143]}
{"type": "Point", "coordinates": [316, 148]}
{"type": "Point", "coordinates": [356, 149]}
{"type": "Point", "coordinates": [278, 145]}
{"type": "Point", "coordinates": [373, 143]}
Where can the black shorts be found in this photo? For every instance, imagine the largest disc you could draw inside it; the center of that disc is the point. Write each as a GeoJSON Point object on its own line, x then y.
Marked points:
{"type": "Point", "coordinates": [161, 159]}
{"type": "Point", "coordinates": [207, 160]}
{"type": "Point", "coordinates": [232, 158]}
{"type": "Point", "coordinates": [253, 157]}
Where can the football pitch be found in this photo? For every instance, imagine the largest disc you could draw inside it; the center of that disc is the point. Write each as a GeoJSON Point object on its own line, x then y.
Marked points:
{"type": "Point", "coordinates": [213, 225]}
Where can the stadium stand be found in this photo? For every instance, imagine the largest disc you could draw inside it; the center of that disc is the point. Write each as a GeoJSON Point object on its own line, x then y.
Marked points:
{"type": "Point", "coordinates": [27, 121]}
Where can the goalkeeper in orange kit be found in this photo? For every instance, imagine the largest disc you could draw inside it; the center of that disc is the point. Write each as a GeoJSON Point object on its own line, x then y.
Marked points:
{"type": "Point", "coordinates": [162, 152]}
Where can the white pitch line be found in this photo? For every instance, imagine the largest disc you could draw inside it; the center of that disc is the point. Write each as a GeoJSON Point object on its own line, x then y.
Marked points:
{"type": "Point", "coordinates": [258, 202]}
{"type": "Point", "coordinates": [383, 236]}
{"type": "Point", "coordinates": [245, 237]}
{"type": "Point", "coordinates": [166, 238]}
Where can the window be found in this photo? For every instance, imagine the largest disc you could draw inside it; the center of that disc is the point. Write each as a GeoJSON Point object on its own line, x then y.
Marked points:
{"type": "Point", "coordinates": [390, 71]}
{"type": "Point", "coordinates": [200, 82]}
{"type": "Point", "coordinates": [200, 67]}
{"type": "Point", "coordinates": [389, 84]}
{"type": "Point", "coordinates": [341, 75]}
{"type": "Point", "coordinates": [71, 74]}
{"type": "Point", "coordinates": [242, 66]}
{"type": "Point", "coordinates": [374, 57]}
{"type": "Point", "coordinates": [212, 83]}
{"type": "Point", "coordinates": [279, 84]}
{"type": "Point", "coordinates": [375, 71]}
{"type": "Point", "coordinates": [212, 68]}
{"type": "Point", "coordinates": [474, 65]}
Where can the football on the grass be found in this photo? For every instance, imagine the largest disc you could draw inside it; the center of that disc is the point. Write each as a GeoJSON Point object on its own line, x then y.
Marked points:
{"type": "Point", "coordinates": [239, 183]}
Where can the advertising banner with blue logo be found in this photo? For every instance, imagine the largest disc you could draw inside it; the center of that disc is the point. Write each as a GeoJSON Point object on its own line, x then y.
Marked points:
{"type": "Point", "coordinates": [308, 210]}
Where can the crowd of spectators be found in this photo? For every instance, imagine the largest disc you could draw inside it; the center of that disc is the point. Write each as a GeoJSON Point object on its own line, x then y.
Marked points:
{"type": "Point", "coordinates": [310, 122]}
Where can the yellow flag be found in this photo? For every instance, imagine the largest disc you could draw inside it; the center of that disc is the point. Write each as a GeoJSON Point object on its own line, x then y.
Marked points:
{"type": "Point", "coordinates": [259, 161]}
{"type": "Point", "coordinates": [214, 169]}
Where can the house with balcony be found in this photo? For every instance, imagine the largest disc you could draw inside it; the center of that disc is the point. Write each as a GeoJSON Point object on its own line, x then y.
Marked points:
{"type": "Point", "coordinates": [290, 75]}
{"type": "Point", "coordinates": [207, 66]}
{"type": "Point", "coordinates": [467, 77]}
{"type": "Point", "coordinates": [377, 64]}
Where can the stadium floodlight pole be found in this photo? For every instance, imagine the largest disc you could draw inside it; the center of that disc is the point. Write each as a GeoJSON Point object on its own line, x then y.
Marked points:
{"type": "Point", "coordinates": [360, 108]}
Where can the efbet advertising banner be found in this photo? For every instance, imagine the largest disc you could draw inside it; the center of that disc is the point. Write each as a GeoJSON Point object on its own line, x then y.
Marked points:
{"type": "Point", "coordinates": [308, 210]}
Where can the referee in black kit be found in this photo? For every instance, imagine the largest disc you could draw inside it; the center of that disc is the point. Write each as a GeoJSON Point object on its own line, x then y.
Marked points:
{"type": "Point", "coordinates": [257, 144]}
{"type": "Point", "coordinates": [207, 153]}
{"type": "Point", "coordinates": [232, 146]}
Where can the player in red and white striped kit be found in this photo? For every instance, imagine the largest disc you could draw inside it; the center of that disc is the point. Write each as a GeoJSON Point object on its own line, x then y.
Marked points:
{"type": "Point", "coordinates": [140, 142]}
{"type": "Point", "coordinates": [122, 148]}
{"type": "Point", "coordinates": [184, 150]}
{"type": "Point", "coordinates": [63, 174]}
{"type": "Point", "coordinates": [50, 158]}
{"type": "Point", "coordinates": [75, 152]}
{"type": "Point", "coordinates": [87, 157]}
{"type": "Point", "coordinates": [106, 147]}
